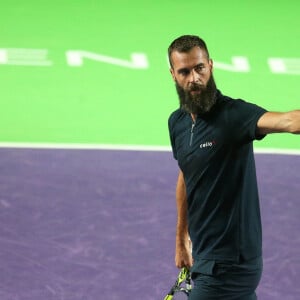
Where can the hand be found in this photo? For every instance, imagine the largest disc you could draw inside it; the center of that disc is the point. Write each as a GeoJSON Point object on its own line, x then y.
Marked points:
{"type": "Point", "coordinates": [183, 254]}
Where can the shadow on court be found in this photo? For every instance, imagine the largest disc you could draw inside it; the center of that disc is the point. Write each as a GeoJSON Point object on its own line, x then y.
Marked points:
{"type": "Point", "coordinates": [99, 224]}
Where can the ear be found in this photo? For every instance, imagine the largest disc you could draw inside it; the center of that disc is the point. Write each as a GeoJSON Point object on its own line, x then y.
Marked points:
{"type": "Point", "coordinates": [211, 64]}
{"type": "Point", "coordinates": [172, 74]}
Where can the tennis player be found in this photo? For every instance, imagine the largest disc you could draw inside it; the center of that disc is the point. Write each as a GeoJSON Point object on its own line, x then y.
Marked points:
{"type": "Point", "coordinates": [217, 196]}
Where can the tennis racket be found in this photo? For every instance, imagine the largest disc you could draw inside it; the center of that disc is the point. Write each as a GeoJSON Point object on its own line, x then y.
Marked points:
{"type": "Point", "coordinates": [182, 287]}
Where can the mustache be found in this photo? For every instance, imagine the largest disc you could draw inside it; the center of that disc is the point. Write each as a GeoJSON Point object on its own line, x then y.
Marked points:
{"type": "Point", "coordinates": [196, 87]}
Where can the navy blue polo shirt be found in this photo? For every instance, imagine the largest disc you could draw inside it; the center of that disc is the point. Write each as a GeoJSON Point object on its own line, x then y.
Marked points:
{"type": "Point", "coordinates": [216, 157]}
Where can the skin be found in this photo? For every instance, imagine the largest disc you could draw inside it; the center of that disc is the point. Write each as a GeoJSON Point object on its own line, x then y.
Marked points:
{"type": "Point", "coordinates": [195, 67]}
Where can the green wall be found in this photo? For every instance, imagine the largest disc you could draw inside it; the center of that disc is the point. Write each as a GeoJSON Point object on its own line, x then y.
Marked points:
{"type": "Point", "coordinates": [67, 74]}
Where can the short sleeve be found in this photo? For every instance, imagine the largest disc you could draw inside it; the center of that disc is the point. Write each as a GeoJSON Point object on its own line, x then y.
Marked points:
{"type": "Point", "coordinates": [243, 119]}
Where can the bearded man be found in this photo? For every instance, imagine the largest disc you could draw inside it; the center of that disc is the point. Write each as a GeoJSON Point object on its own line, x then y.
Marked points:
{"type": "Point", "coordinates": [216, 194]}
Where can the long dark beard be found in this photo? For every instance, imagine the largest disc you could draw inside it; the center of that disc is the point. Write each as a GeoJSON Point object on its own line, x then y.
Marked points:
{"type": "Point", "coordinates": [200, 103]}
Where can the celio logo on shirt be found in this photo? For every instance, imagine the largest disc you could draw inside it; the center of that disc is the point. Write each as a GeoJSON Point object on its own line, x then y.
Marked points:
{"type": "Point", "coordinates": [207, 144]}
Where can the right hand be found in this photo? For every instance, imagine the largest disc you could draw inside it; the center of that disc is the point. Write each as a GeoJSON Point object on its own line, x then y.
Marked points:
{"type": "Point", "coordinates": [183, 255]}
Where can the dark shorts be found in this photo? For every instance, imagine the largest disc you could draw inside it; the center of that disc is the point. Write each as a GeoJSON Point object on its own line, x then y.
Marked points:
{"type": "Point", "coordinates": [226, 281]}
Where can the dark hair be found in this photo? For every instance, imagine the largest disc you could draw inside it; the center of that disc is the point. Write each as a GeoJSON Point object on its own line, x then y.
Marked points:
{"type": "Point", "coordinates": [185, 43]}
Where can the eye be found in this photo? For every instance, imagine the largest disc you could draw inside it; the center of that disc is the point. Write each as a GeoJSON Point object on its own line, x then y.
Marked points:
{"type": "Point", "coordinates": [184, 72]}
{"type": "Point", "coordinates": [200, 68]}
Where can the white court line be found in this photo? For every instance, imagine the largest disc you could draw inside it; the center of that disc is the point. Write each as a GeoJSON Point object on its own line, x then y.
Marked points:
{"type": "Point", "coordinates": [84, 146]}
{"type": "Point", "coordinates": [125, 147]}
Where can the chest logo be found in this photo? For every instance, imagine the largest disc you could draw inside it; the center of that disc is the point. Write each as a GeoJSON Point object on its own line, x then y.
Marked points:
{"type": "Point", "coordinates": [208, 144]}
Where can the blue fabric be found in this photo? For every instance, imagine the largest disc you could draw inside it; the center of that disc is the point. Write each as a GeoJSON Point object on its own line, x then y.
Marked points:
{"type": "Point", "coordinates": [215, 154]}
{"type": "Point", "coordinates": [227, 281]}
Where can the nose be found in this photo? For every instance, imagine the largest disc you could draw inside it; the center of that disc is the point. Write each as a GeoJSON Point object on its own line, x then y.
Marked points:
{"type": "Point", "coordinates": [194, 76]}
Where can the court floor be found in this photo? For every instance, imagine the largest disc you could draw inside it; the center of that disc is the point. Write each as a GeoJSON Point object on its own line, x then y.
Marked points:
{"type": "Point", "coordinates": [100, 224]}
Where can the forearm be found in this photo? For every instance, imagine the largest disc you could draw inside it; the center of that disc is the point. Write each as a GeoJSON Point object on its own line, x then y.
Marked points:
{"type": "Point", "coordinates": [275, 122]}
{"type": "Point", "coordinates": [182, 235]}
{"type": "Point", "coordinates": [294, 117]}
{"type": "Point", "coordinates": [183, 256]}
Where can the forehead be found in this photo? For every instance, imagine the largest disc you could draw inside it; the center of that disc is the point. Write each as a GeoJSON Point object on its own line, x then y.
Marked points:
{"type": "Point", "coordinates": [188, 59]}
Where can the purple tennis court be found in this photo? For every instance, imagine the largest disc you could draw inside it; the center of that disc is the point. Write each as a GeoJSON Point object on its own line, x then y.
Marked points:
{"type": "Point", "coordinates": [100, 224]}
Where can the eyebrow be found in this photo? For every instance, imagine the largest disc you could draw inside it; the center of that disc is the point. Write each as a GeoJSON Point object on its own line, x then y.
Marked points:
{"type": "Point", "coordinates": [183, 70]}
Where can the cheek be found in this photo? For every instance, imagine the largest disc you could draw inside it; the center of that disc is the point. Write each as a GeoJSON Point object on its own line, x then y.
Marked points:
{"type": "Point", "coordinates": [206, 78]}
{"type": "Point", "coordinates": [182, 83]}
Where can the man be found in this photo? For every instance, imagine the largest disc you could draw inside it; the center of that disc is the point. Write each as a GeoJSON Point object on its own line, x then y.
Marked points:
{"type": "Point", "coordinates": [216, 195]}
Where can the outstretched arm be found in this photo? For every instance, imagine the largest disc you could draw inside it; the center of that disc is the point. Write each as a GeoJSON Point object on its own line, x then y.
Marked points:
{"type": "Point", "coordinates": [183, 256]}
{"type": "Point", "coordinates": [272, 122]}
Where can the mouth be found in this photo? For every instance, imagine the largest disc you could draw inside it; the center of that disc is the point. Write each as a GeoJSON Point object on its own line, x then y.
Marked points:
{"type": "Point", "coordinates": [195, 91]}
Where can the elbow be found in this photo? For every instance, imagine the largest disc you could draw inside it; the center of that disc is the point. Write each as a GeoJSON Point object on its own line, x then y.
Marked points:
{"type": "Point", "coordinates": [294, 122]}
{"type": "Point", "coordinates": [295, 131]}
